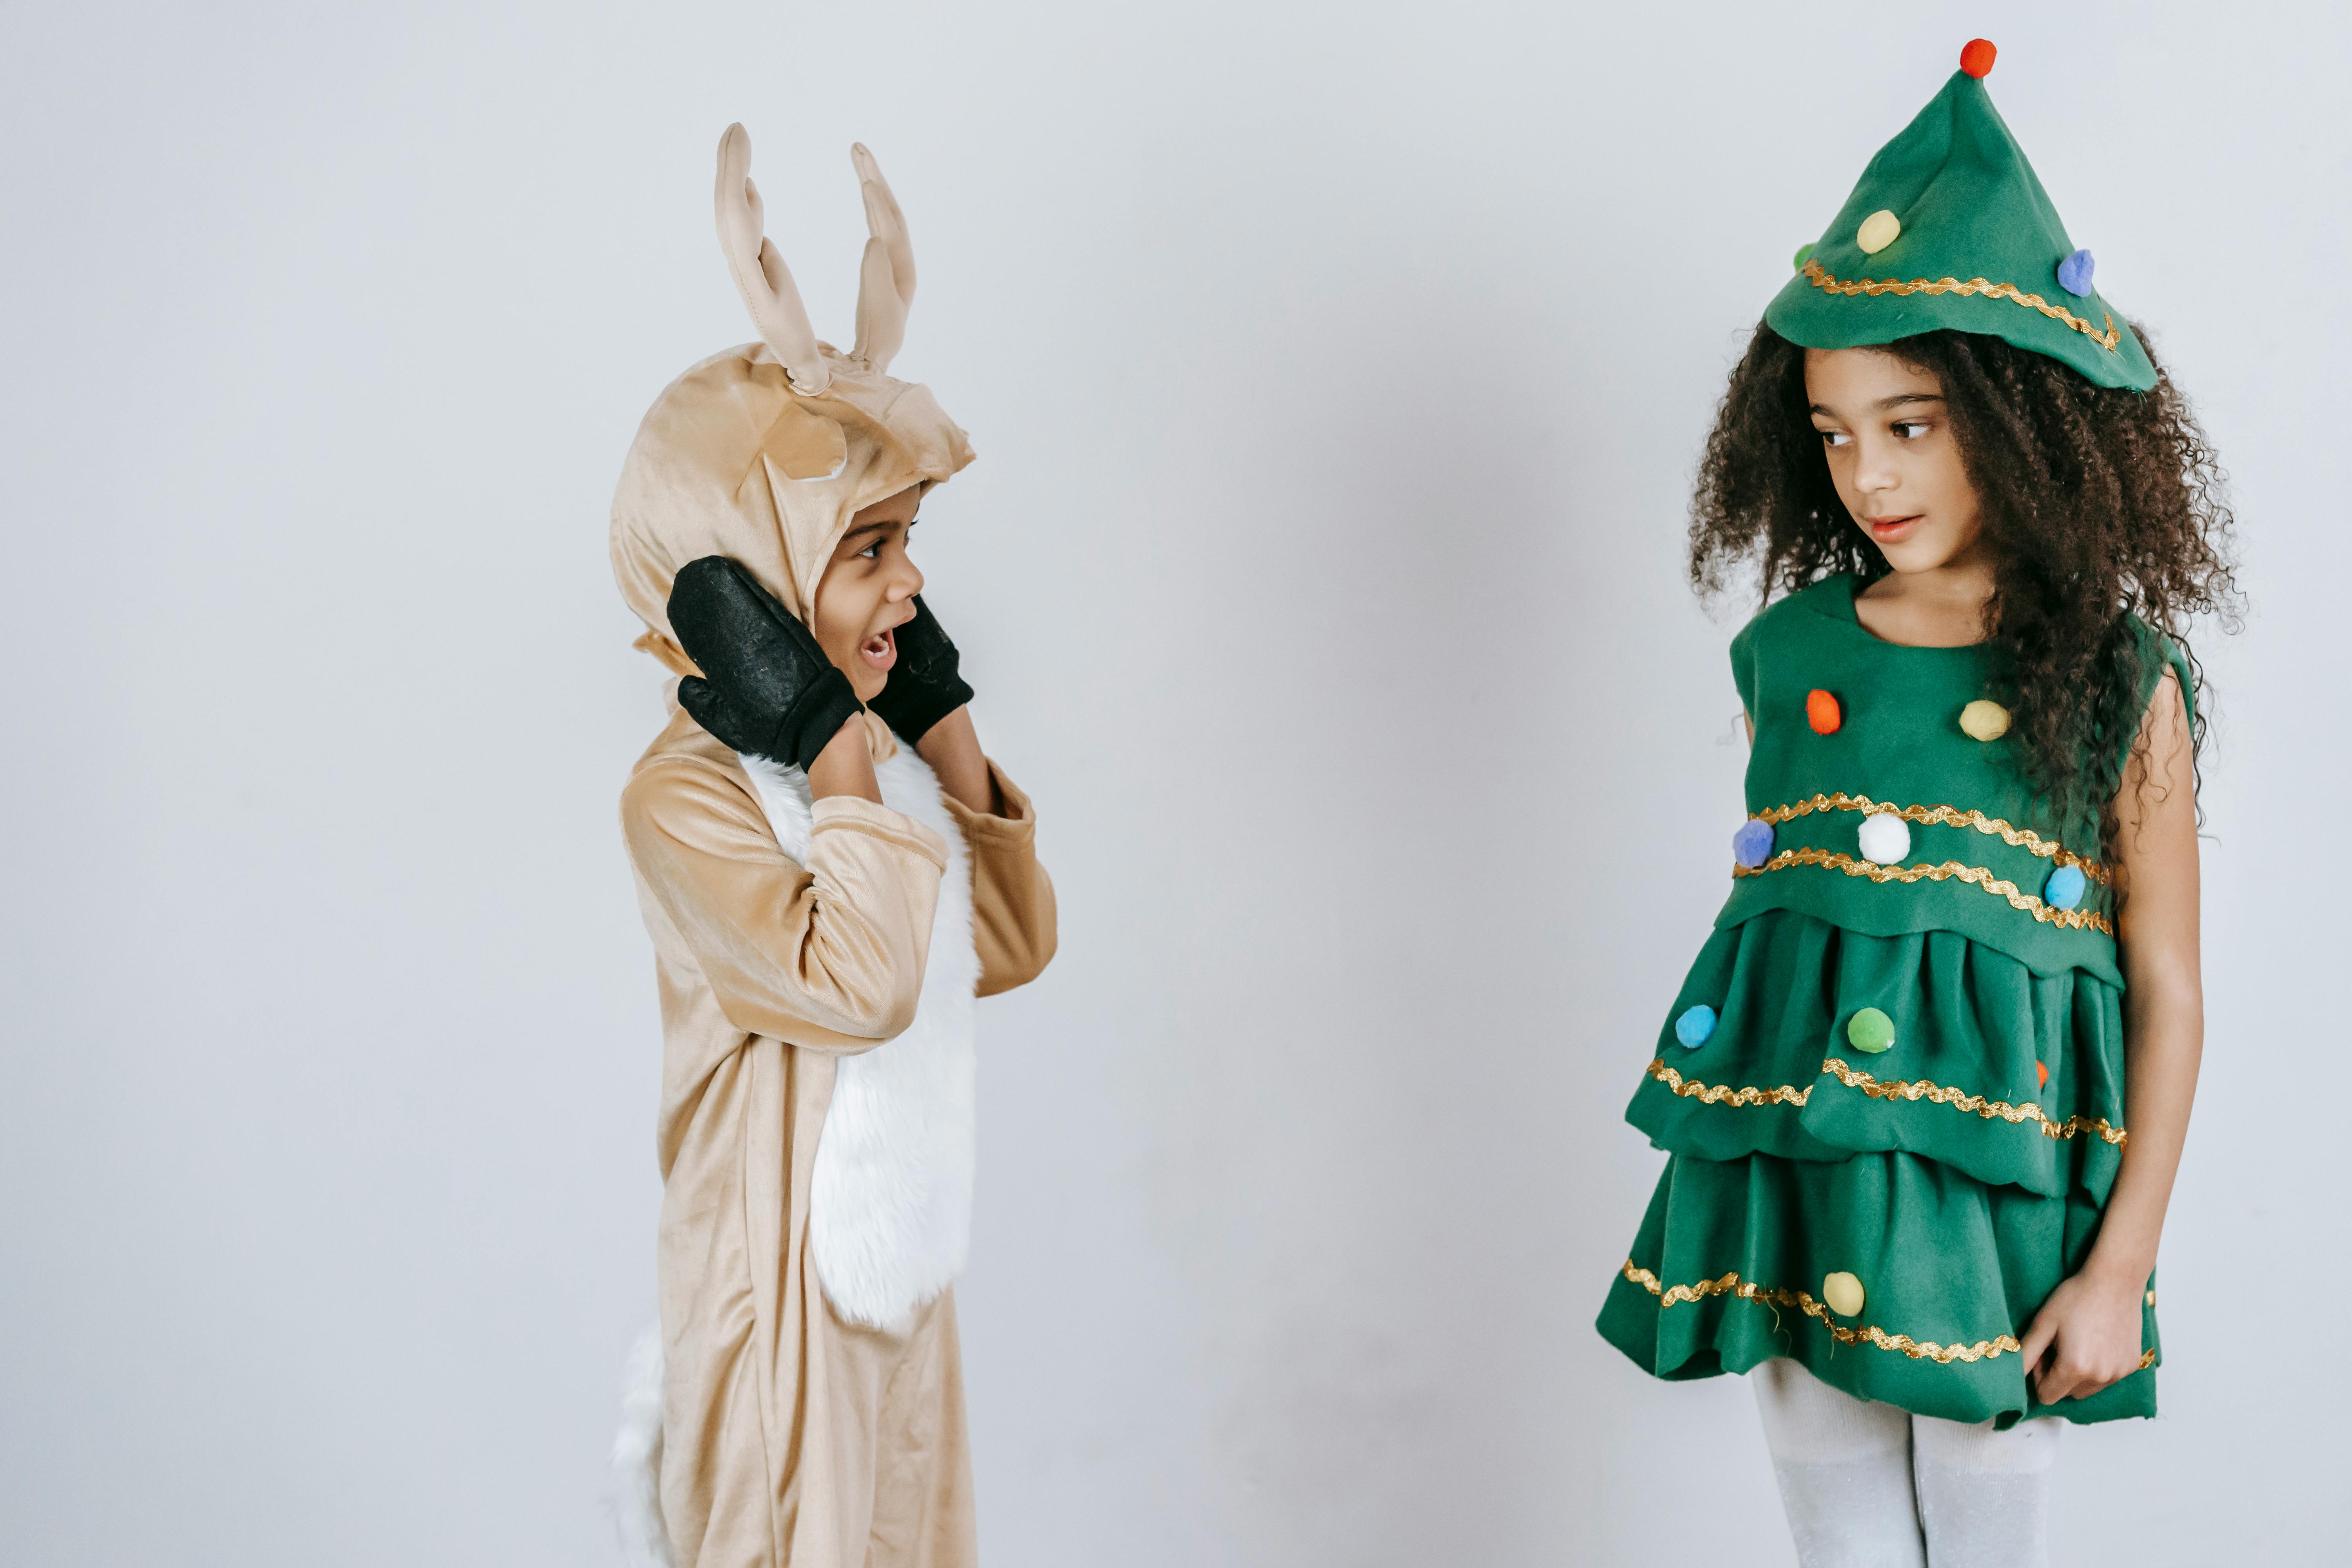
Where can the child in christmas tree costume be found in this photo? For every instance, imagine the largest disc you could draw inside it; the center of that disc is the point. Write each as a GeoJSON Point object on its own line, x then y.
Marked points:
{"type": "Point", "coordinates": [826, 899]}
{"type": "Point", "coordinates": [1926, 1089]}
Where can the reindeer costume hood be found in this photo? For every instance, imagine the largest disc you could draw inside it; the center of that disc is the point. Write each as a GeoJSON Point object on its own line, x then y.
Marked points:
{"type": "Point", "coordinates": [765, 452]}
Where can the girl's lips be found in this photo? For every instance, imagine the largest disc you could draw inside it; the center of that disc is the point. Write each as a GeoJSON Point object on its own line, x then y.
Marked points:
{"type": "Point", "coordinates": [1892, 527]}
{"type": "Point", "coordinates": [880, 650]}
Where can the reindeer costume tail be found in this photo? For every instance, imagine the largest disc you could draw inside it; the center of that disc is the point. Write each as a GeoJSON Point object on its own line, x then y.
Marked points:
{"type": "Point", "coordinates": [636, 1459]}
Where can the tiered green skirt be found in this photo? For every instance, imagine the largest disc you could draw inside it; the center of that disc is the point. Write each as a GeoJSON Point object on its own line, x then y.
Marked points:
{"type": "Point", "coordinates": [1954, 1183]}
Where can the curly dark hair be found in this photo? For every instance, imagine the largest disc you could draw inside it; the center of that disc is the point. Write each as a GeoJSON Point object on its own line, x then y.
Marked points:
{"type": "Point", "coordinates": [2098, 504]}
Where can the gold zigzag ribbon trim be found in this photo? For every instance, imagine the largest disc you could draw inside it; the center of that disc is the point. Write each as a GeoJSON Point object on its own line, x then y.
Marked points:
{"type": "Point", "coordinates": [1724, 1094]}
{"type": "Point", "coordinates": [2021, 837]}
{"type": "Point", "coordinates": [1748, 1291]}
{"type": "Point", "coordinates": [2069, 919]}
{"type": "Point", "coordinates": [1922, 1088]}
{"type": "Point", "coordinates": [1820, 277]}
{"type": "Point", "coordinates": [1959, 1099]}
{"type": "Point", "coordinates": [1871, 1335]}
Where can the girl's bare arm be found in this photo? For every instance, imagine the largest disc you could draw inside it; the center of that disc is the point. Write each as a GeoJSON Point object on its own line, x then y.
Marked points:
{"type": "Point", "coordinates": [2087, 1335]}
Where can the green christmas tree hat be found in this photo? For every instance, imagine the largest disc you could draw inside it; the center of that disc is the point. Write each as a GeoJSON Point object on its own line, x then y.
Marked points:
{"type": "Point", "coordinates": [1950, 228]}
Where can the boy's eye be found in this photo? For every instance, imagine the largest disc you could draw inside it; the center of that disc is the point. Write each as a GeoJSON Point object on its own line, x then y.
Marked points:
{"type": "Point", "coordinates": [1835, 437]}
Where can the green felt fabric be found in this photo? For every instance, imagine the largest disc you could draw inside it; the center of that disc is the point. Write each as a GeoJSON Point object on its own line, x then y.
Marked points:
{"type": "Point", "coordinates": [1971, 208]}
{"type": "Point", "coordinates": [1944, 1259]}
{"type": "Point", "coordinates": [1959, 1218]}
{"type": "Point", "coordinates": [1966, 1018]}
{"type": "Point", "coordinates": [1900, 744]}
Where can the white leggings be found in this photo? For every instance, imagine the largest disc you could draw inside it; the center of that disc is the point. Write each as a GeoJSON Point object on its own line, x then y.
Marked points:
{"type": "Point", "coordinates": [1869, 1486]}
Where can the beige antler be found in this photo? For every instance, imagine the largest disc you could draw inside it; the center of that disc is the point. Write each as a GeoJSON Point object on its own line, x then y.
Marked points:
{"type": "Point", "coordinates": [760, 276]}
{"type": "Point", "coordinates": [886, 275]}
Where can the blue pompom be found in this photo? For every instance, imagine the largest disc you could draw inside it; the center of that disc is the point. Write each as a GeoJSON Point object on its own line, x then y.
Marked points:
{"type": "Point", "coordinates": [1752, 845]}
{"type": "Point", "coordinates": [2065, 889]}
{"type": "Point", "coordinates": [2075, 274]}
{"type": "Point", "coordinates": [1694, 1026]}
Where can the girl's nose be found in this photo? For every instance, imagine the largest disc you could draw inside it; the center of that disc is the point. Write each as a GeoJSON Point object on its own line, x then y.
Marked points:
{"type": "Point", "coordinates": [1874, 472]}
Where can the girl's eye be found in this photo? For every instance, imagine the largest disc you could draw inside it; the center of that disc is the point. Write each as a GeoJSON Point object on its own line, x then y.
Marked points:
{"type": "Point", "coordinates": [1910, 429]}
{"type": "Point", "coordinates": [1835, 437]}
{"type": "Point", "coordinates": [872, 551]}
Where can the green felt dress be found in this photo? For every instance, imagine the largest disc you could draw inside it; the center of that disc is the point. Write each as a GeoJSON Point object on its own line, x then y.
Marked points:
{"type": "Point", "coordinates": [1945, 1173]}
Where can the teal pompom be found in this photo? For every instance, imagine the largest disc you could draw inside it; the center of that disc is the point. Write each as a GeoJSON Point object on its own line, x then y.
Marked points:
{"type": "Point", "coordinates": [2065, 887]}
{"type": "Point", "coordinates": [1696, 1027]}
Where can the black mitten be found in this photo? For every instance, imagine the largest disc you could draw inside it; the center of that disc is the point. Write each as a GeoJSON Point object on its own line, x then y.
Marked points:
{"type": "Point", "coordinates": [924, 687]}
{"type": "Point", "coordinates": [771, 692]}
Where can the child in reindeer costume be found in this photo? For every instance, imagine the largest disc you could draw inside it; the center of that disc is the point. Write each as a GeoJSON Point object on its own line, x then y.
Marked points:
{"type": "Point", "coordinates": [825, 899]}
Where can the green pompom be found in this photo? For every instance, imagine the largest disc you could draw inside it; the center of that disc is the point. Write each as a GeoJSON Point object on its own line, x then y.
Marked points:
{"type": "Point", "coordinates": [1871, 1030]}
{"type": "Point", "coordinates": [1804, 254]}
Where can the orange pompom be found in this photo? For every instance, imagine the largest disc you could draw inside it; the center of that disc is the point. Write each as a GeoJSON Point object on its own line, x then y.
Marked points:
{"type": "Point", "coordinates": [1822, 712]}
{"type": "Point", "coordinates": [1976, 58]}
{"type": "Point", "coordinates": [2044, 1068]}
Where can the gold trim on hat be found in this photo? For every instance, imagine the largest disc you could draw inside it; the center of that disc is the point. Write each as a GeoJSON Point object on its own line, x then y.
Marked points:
{"type": "Point", "coordinates": [1818, 275]}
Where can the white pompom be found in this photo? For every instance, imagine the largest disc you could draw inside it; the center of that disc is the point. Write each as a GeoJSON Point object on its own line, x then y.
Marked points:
{"type": "Point", "coordinates": [1886, 838]}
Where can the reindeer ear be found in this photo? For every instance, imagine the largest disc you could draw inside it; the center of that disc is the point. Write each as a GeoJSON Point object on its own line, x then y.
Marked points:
{"type": "Point", "coordinates": [886, 275]}
{"type": "Point", "coordinates": [806, 444]}
{"type": "Point", "coordinates": [760, 276]}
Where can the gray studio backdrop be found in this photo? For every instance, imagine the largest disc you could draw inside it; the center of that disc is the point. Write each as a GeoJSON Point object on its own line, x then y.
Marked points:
{"type": "Point", "coordinates": [1337, 373]}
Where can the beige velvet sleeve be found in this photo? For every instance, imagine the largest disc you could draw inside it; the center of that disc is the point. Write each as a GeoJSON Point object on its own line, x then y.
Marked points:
{"type": "Point", "coordinates": [1012, 898]}
{"type": "Point", "coordinates": [829, 955]}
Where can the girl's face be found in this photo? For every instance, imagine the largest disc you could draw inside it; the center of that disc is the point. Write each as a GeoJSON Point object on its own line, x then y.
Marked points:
{"type": "Point", "coordinates": [867, 590]}
{"type": "Point", "coordinates": [1891, 453]}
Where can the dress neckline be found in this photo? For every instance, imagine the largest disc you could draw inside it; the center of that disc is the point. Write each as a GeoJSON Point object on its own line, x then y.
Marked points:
{"type": "Point", "coordinates": [1841, 607]}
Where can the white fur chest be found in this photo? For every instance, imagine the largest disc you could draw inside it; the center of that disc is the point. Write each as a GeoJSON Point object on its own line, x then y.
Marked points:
{"type": "Point", "coordinates": [890, 1203]}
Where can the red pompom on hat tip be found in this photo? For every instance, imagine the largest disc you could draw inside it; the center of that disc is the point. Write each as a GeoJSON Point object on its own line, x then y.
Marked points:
{"type": "Point", "coordinates": [1976, 57]}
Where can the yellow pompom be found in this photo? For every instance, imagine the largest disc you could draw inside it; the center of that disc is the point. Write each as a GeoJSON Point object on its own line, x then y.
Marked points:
{"type": "Point", "coordinates": [1843, 1295]}
{"type": "Point", "coordinates": [1878, 231]}
{"type": "Point", "coordinates": [1984, 720]}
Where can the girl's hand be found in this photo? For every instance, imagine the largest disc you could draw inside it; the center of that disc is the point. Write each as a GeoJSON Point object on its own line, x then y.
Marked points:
{"type": "Point", "coordinates": [2085, 1337]}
